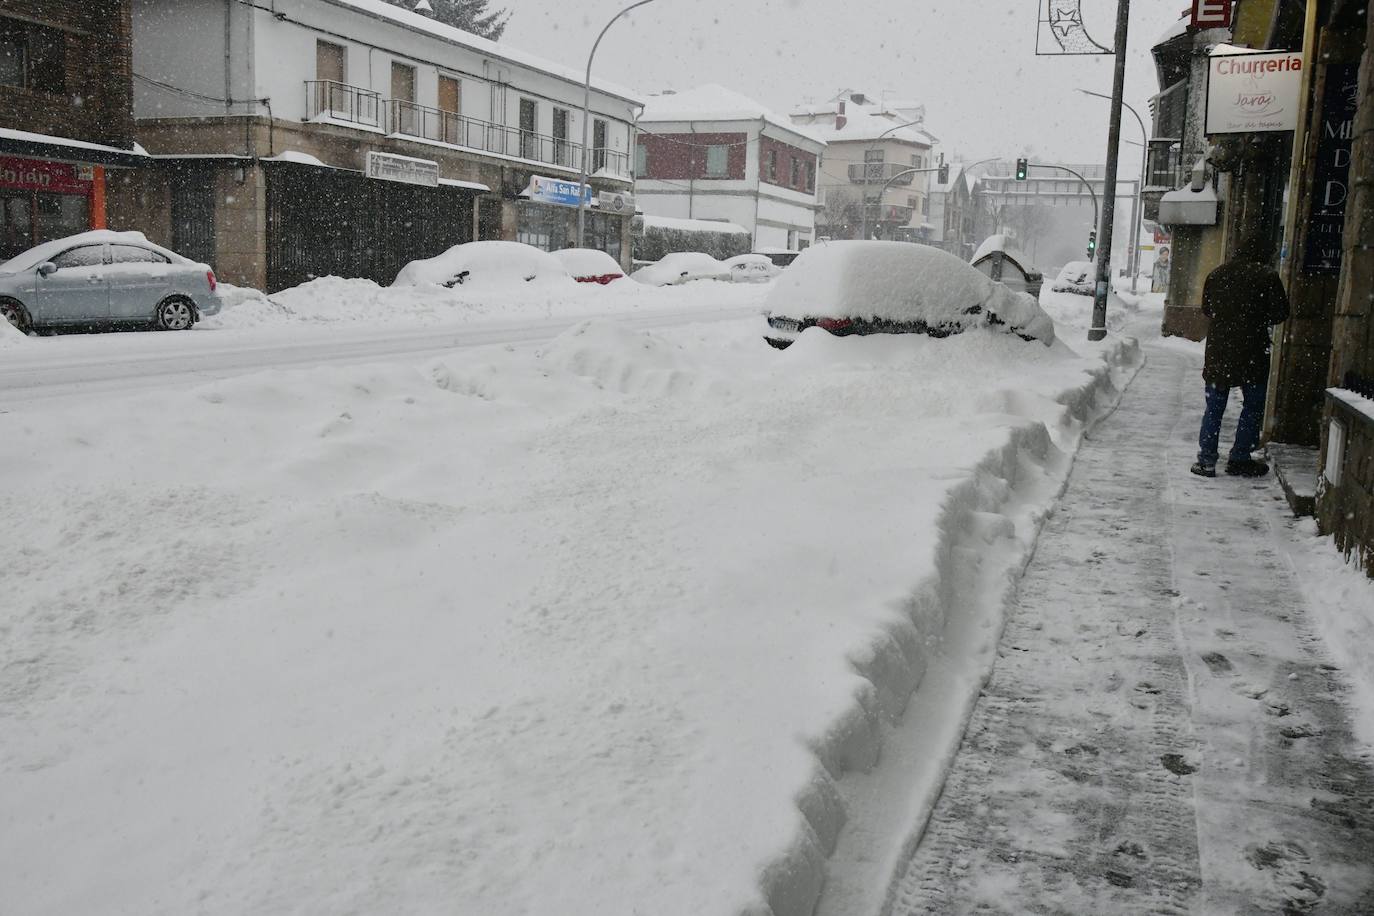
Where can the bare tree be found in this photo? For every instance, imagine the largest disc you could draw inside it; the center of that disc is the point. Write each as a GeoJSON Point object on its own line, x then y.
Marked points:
{"type": "Point", "coordinates": [1027, 222]}
{"type": "Point", "coordinates": [840, 215]}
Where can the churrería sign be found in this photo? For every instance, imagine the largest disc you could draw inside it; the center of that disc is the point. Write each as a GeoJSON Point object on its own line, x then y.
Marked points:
{"type": "Point", "coordinates": [1251, 92]}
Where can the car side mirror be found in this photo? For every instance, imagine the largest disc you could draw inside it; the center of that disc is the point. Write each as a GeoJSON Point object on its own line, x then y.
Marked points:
{"type": "Point", "coordinates": [47, 269]}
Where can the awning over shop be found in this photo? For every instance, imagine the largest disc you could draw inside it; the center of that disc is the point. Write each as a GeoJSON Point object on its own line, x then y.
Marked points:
{"type": "Point", "coordinates": [65, 149]}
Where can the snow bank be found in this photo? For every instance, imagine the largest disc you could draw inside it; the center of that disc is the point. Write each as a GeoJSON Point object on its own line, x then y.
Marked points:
{"type": "Point", "coordinates": [362, 303]}
{"type": "Point", "coordinates": [484, 264]}
{"type": "Point", "coordinates": [10, 336]}
{"type": "Point", "coordinates": [1341, 597]}
{"type": "Point", "coordinates": [607, 622]}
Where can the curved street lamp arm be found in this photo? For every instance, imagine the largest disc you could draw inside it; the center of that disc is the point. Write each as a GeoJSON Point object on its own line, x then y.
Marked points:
{"type": "Point", "coordinates": [586, 118]}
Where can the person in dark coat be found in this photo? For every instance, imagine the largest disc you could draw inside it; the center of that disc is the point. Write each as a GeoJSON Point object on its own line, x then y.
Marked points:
{"type": "Point", "coordinates": [1244, 298]}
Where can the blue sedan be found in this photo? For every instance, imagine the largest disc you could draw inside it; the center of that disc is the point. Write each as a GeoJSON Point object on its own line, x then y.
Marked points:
{"type": "Point", "coordinates": [105, 278]}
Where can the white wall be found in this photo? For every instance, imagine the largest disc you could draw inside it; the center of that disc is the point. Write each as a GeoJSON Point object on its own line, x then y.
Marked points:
{"type": "Point", "coordinates": [183, 44]}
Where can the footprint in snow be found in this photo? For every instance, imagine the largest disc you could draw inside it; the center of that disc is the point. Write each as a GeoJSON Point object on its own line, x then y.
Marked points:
{"type": "Point", "coordinates": [1288, 867]}
{"type": "Point", "coordinates": [1218, 664]}
{"type": "Point", "coordinates": [1178, 765]}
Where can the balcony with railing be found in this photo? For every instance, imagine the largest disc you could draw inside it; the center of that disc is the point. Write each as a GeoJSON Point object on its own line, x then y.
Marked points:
{"type": "Point", "coordinates": [326, 99]}
{"type": "Point", "coordinates": [409, 119]}
{"type": "Point", "coordinates": [878, 172]}
{"type": "Point", "coordinates": [1164, 172]}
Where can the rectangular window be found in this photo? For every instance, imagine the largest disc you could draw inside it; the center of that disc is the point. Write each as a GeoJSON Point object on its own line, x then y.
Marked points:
{"type": "Point", "coordinates": [451, 104]}
{"type": "Point", "coordinates": [811, 176]}
{"type": "Point", "coordinates": [717, 161]}
{"type": "Point", "coordinates": [560, 136]}
{"type": "Point", "coordinates": [32, 57]}
{"type": "Point", "coordinates": [405, 117]}
{"type": "Point", "coordinates": [641, 160]}
{"type": "Point", "coordinates": [402, 82]}
{"type": "Point", "coordinates": [874, 155]}
{"type": "Point", "coordinates": [773, 166]}
{"type": "Point", "coordinates": [529, 143]}
{"type": "Point", "coordinates": [795, 176]}
{"type": "Point", "coordinates": [598, 145]}
{"type": "Point", "coordinates": [329, 62]}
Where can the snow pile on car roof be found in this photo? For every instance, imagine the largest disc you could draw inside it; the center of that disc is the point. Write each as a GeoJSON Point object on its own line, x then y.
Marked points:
{"type": "Point", "coordinates": [902, 282]}
{"type": "Point", "coordinates": [1078, 277]}
{"type": "Point", "coordinates": [588, 262]}
{"type": "Point", "coordinates": [27, 260]}
{"type": "Point", "coordinates": [485, 263]}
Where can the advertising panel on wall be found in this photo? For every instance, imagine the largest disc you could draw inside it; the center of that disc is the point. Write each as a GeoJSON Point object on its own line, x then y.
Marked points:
{"type": "Point", "coordinates": [1250, 92]}
{"type": "Point", "coordinates": [1331, 169]}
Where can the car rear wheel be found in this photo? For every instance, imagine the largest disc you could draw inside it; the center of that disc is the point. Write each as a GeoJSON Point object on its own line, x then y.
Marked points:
{"type": "Point", "coordinates": [13, 311]}
{"type": "Point", "coordinates": [175, 315]}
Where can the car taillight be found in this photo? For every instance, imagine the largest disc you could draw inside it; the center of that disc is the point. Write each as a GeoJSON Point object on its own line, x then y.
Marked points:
{"type": "Point", "coordinates": [833, 324]}
{"type": "Point", "coordinates": [210, 276]}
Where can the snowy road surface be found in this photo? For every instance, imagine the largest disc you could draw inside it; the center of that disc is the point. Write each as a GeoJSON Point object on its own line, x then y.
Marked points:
{"type": "Point", "coordinates": [98, 364]}
{"type": "Point", "coordinates": [1163, 732]}
{"type": "Point", "coordinates": [605, 620]}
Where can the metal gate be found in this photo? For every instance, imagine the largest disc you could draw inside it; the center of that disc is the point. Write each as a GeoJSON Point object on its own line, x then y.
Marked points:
{"type": "Point", "coordinates": [193, 214]}
{"type": "Point", "coordinates": [332, 222]}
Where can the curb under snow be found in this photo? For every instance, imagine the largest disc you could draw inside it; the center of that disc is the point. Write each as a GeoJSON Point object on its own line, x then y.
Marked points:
{"type": "Point", "coordinates": [1022, 479]}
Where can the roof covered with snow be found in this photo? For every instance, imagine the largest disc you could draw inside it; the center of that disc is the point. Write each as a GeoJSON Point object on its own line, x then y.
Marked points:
{"type": "Point", "coordinates": [713, 102]}
{"type": "Point", "coordinates": [382, 10]}
{"type": "Point", "coordinates": [861, 122]}
{"type": "Point", "coordinates": [692, 225]}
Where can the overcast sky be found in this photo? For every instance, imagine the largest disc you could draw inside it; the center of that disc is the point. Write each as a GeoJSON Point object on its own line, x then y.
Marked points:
{"type": "Point", "coordinates": [972, 62]}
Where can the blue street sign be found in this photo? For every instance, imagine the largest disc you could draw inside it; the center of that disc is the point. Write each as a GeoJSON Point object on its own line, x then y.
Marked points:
{"type": "Point", "coordinates": [556, 191]}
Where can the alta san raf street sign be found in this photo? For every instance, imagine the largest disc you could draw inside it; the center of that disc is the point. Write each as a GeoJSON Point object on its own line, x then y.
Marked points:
{"type": "Point", "coordinates": [555, 191]}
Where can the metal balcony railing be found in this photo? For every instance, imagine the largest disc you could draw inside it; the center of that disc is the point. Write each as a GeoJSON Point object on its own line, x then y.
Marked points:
{"type": "Point", "coordinates": [412, 120]}
{"type": "Point", "coordinates": [342, 102]}
{"type": "Point", "coordinates": [1164, 165]}
{"type": "Point", "coordinates": [878, 172]}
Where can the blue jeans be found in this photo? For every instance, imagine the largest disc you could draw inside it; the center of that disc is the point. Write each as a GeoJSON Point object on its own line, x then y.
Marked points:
{"type": "Point", "coordinates": [1247, 427]}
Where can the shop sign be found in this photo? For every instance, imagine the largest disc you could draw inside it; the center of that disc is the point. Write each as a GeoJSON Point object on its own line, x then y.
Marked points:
{"type": "Point", "coordinates": [1331, 172]}
{"type": "Point", "coordinates": [405, 169]}
{"type": "Point", "coordinates": [1253, 93]}
{"type": "Point", "coordinates": [620, 203]}
{"type": "Point", "coordinates": [37, 175]}
{"type": "Point", "coordinates": [556, 191]}
{"type": "Point", "coordinates": [1211, 14]}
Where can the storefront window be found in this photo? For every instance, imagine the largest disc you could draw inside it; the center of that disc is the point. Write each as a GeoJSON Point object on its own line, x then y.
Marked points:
{"type": "Point", "coordinates": [41, 201]}
{"type": "Point", "coordinates": [550, 228]}
{"type": "Point", "coordinates": [61, 215]}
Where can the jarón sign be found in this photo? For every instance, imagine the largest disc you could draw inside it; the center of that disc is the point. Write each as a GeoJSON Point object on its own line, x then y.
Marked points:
{"type": "Point", "coordinates": [1253, 93]}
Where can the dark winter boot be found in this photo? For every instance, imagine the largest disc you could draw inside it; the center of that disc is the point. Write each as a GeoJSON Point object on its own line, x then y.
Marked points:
{"type": "Point", "coordinates": [1204, 470]}
{"type": "Point", "coordinates": [1247, 468]}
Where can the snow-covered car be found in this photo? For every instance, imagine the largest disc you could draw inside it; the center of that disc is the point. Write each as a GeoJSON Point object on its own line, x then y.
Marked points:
{"type": "Point", "coordinates": [589, 265]}
{"type": "Point", "coordinates": [103, 278]}
{"type": "Point", "coordinates": [752, 268]}
{"type": "Point", "coordinates": [781, 257]}
{"type": "Point", "coordinates": [1077, 277]}
{"type": "Point", "coordinates": [483, 263]}
{"type": "Point", "coordinates": [681, 267]}
{"type": "Point", "coordinates": [861, 287]}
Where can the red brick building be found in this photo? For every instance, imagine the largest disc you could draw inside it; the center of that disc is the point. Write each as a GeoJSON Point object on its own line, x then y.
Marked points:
{"type": "Point", "coordinates": [66, 115]}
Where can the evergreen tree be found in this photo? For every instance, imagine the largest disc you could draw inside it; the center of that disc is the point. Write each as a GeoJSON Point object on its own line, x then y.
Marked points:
{"type": "Point", "coordinates": [468, 15]}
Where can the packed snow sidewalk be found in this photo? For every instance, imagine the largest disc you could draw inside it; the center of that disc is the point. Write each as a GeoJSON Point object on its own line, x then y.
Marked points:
{"type": "Point", "coordinates": [1166, 730]}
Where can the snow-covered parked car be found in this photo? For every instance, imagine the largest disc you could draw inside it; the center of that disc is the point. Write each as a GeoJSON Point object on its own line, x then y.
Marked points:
{"type": "Point", "coordinates": [483, 263]}
{"type": "Point", "coordinates": [102, 278]}
{"type": "Point", "coordinates": [589, 265]}
{"type": "Point", "coordinates": [752, 268]}
{"type": "Point", "coordinates": [681, 267]}
{"type": "Point", "coordinates": [1078, 277]}
{"type": "Point", "coordinates": [861, 287]}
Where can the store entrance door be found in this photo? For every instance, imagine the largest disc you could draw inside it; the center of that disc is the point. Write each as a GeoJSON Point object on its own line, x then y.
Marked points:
{"type": "Point", "coordinates": [16, 223]}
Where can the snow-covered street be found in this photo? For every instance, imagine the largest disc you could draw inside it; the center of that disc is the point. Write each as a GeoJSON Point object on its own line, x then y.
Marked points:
{"type": "Point", "coordinates": [611, 619]}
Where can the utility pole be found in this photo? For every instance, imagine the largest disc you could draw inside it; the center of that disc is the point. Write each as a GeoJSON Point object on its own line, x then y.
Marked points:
{"type": "Point", "coordinates": [1098, 331]}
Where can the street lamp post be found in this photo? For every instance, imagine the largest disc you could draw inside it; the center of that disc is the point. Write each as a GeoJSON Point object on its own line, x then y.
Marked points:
{"type": "Point", "coordinates": [863, 218]}
{"type": "Point", "coordinates": [1139, 187]}
{"type": "Point", "coordinates": [586, 118]}
{"type": "Point", "coordinates": [1098, 331]}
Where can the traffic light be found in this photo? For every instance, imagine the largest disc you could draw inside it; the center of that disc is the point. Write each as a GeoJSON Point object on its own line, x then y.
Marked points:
{"type": "Point", "coordinates": [1022, 169]}
{"type": "Point", "coordinates": [943, 174]}
{"type": "Point", "coordinates": [1092, 243]}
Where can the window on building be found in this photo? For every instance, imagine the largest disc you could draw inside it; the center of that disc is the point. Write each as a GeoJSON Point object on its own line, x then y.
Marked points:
{"type": "Point", "coordinates": [329, 62]}
{"type": "Point", "coordinates": [874, 155]}
{"type": "Point", "coordinates": [717, 161]}
{"type": "Point", "coordinates": [925, 206]}
{"type": "Point", "coordinates": [529, 117]}
{"type": "Point", "coordinates": [641, 160]}
{"type": "Point", "coordinates": [811, 176]}
{"type": "Point", "coordinates": [32, 57]}
{"type": "Point", "coordinates": [911, 201]}
{"type": "Point", "coordinates": [560, 136]}
{"type": "Point", "coordinates": [405, 116]}
{"type": "Point", "coordinates": [598, 145]}
{"type": "Point", "coordinates": [795, 175]}
{"type": "Point", "coordinates": [773, 166]}
{"type": "Point", "coordinates": [451, 106]}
